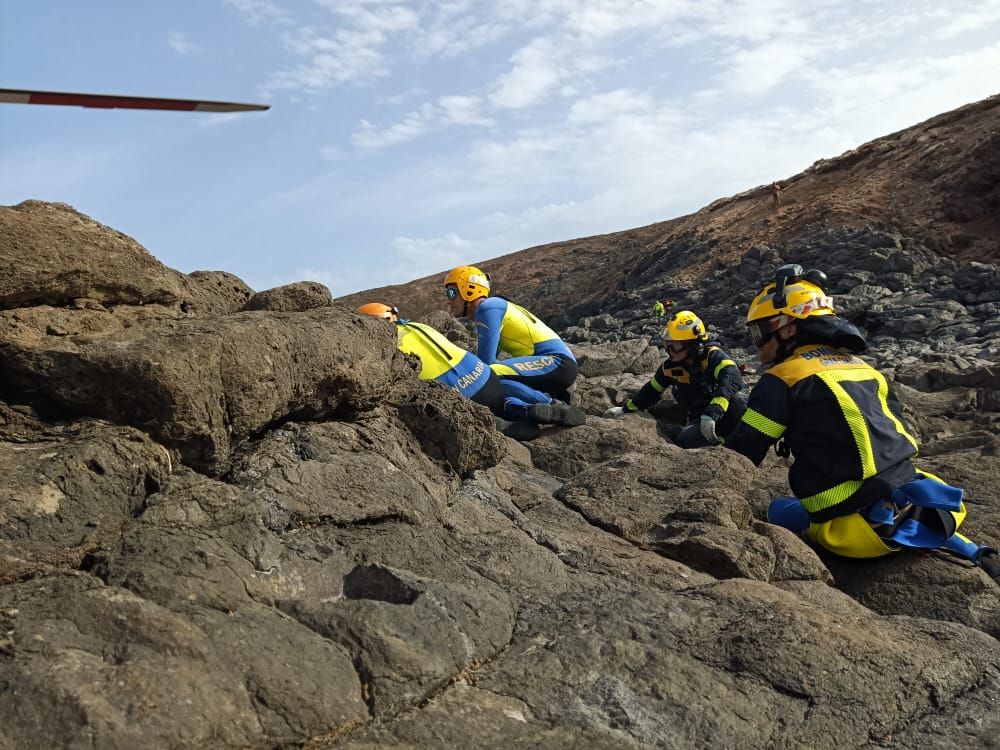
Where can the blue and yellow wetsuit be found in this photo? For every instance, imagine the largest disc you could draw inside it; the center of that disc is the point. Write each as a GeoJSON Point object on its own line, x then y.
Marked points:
{"type": "Point", "coordinates": [447, 363]}
{"type": "Point", "coordinates": [857, 491]}
{"type": "Point", "coordinates": [696, 383]}
{"type": "Point", "coordinates": [539, 359]}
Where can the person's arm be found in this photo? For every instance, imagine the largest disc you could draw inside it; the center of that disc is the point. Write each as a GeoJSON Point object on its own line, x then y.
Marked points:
{"type": "Point", "coordinates": [650, 393]}
{"type": "Point", "coordinates": [767, 417]}
{"type": "Point", "coordinates": [489, 322]}
{"type": "Point", "coordinates": [728, 381]}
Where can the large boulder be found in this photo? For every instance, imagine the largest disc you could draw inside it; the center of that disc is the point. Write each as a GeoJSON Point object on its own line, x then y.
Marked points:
{"type": "Point", "coordinates": [204, 385]}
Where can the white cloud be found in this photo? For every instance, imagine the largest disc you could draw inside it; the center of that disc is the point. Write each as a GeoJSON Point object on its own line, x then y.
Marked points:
{"type": "Point", "coordinates": [448, 110]}
{"type": "Point", "coordinates": [347, 56]}
{"type": "Point", "coordinates": [535, 72]}
{"type": "Point", "coordinates": [179, 43]}
{"type": "Point", "coordinates": [257, 12]}
{"type": "Point", "coordinates": [971, 19]}
{"type": "Point", "coordinates": [757, 70]}
{"type": "Point", "coordinates": [609, 105]}
{"type": "Point", "coordinates": [332, 153]}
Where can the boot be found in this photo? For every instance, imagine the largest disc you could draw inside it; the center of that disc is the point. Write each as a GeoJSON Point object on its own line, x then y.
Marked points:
{"type": "Point", "coordinates": [522, 431]}
{"type": "Point", "coordinates": [557, 413]}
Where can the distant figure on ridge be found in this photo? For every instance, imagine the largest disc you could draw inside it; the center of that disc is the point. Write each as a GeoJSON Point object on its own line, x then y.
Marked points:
{"type": "Point", "coordinates": [857, 492]}
{"type": "Point", "coordinates": [776, 195]}
{"type": "Point", "coordinates": [658, 309]}
{"type": "Point", "coordinates": [540, 362]}
{"type": "Point", "coordinates": [704, 381]}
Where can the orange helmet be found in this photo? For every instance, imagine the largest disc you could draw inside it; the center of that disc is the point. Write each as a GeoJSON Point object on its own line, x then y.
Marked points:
{"type": "Point", "coordinates": [470, 282]}
{"type": "Point", "coordinates": [378, 310]}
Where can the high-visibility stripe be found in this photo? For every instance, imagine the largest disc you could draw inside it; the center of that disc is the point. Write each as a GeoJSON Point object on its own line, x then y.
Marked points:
{"type": "Point", "coordinates": [883, 397]}
{"type": "Point", "coordinates": [111, 101]}
{"type": "Point", "coordinates": [852, 414]}
{"type": "Point", "coordinates": [501, 369]}
{"type": "Point", "coordinates": [763, 424]}
{"type": "Point", "coordinates": [723, 363]}
{"type": "Point", "coordinates": [721, 401]}
{"type": "Point", "coordinates": [656, 386]}
{"type": "Point", "coordinates": [630, 406]}
{"type": "Point", "coordinates": [827, 498]}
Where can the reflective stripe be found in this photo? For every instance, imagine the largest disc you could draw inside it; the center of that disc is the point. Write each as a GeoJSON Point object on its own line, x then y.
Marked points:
{"type": "Point", "coordinates": [762, 424]}
{"type": "Point", "coordinates": [630, 406]}
{"type": "Point", "coordinates": [721, 401]}
{"type": "Point", "coordinates": [656, 386]}
{"type": "Point", "coordinates": [883, 397]}
{"type": "Point", "coordinates": [827, 498]}
{"type": "Point", "coordinates": [723, 363]}
{"type": "Point", "coordinates": [852, 414]}
{"type": "Point", "coordinates": [501, 369]}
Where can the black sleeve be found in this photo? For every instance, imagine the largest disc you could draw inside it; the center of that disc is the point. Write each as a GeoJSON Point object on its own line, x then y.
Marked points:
{"type": "Point", "coordinates": [767, 417]}
{"type": "Point", "coordinates": [650, 393]}
{"type": "Point", "coordinates": [726, 375]}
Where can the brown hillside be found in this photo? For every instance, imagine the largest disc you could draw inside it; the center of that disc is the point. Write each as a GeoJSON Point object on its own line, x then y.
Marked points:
{"type": "Point", "coordinates": [938, 181]}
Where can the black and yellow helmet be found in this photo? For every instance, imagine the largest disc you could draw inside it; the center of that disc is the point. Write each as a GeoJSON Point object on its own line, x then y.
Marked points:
{"type": "Point", "coordinates": [794, 295]}
{"type": "Point", "coordinates": [685, 326]}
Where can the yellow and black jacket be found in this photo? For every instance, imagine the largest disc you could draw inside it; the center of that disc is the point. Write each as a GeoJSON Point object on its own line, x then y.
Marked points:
{"type": "Point", "coordinates": [712, 378]}
{"type": "Point", "coordinates": [841, 423]}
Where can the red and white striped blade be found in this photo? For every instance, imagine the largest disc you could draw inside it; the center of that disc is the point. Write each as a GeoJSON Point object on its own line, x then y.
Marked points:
{"type": "Point", "coordinates": [110, 101]}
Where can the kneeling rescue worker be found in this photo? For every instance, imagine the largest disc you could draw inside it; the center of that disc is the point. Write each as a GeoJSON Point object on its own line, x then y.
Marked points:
{"type": "Point", "coordinates": [451, 365]}
{"type": "Point", "coordinates": [704, 381]}
{"type": "Point", "coordinates": [857, 492]}
{"type": "Point", "coordinates": [540, 361]}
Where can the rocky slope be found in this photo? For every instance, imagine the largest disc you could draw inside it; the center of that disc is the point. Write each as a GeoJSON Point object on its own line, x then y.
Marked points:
{"type": "Point", "coordinates": [235, 520]}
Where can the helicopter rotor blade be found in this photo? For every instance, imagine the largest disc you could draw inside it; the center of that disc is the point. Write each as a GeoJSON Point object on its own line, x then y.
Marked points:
{"type": "Point", "coordinates": [111, 101]}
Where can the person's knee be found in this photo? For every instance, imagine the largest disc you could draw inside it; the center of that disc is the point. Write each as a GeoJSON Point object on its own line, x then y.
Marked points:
{"type": "Point", "coordinates": [789, 513]}
{"type": "Point", "coordinates": [691, 437]}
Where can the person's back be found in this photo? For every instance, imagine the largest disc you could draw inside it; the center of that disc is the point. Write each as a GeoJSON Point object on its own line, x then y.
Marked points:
{"type": "Point", "coordinates": [857, 493]}
{"type": "Point", "coordinates": [841, 423]}
{"type": "Point", "coordinates": [505, 326]}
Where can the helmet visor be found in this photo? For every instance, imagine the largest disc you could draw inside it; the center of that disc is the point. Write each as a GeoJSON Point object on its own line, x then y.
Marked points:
{"type": "Point", "coordinates": [760, 331]}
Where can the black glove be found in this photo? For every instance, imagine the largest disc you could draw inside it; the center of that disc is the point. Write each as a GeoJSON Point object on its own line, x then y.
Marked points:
{"type": "Point", "coordinates": [989, 561]}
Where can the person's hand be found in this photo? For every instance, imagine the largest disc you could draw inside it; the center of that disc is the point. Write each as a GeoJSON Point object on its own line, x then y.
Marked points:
{"type": "Point", "coordinates": [712, 414]}
{"type": "Point", "coordinates": [615, 412]}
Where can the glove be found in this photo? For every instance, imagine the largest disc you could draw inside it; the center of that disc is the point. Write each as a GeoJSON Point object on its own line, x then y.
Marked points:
{"type": "Point", "coordinates": [615, 412]}
{"type": "Point", "coordinates": [712, 414]}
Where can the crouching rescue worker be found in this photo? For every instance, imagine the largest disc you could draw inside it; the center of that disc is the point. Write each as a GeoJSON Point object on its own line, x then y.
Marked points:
{"type": "Point", "coordinates": [451, 365]}
{"type": "Point", "coordinates": [540, 361]}
{"type": "Point", "coordinates": [858, 493]}
{"type": "Point", "coordinates": [704, 381]}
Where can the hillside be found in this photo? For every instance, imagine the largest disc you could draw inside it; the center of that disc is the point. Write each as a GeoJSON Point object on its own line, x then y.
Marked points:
{"type": "Point", "coordinates": [938, 182]}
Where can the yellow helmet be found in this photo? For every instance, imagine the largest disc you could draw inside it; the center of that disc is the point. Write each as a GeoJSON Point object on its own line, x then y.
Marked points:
{"type": "Point", "coordinates": [793, 295]}
{"type": "Point", "coordinates": [378, 310]}
{"type": "Point", "coordinates": [470, 282]}
{"type": "Point", "coordinates": [684, 325]}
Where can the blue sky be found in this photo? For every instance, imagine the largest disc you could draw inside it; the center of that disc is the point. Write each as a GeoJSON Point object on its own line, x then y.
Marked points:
{"type": "Point", "coordinates": [408, 137]}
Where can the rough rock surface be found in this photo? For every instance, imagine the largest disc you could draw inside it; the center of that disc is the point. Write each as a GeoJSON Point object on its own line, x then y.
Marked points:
{"type": "Point", "coordinates": [302, 295]}
{"type": "Point", "coordinates": [236, 529]}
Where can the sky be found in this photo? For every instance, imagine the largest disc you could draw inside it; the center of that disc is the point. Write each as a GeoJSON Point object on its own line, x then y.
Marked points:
{"type": "Point", "coordinates": [406, 137]}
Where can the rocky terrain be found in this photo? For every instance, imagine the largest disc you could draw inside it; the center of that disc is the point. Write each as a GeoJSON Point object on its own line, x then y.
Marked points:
{"type": "Point", "coordinates": [238, 520]}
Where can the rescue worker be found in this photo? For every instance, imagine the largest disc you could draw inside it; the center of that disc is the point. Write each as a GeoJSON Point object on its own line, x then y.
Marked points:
{"type": "Point", "coordinates": [704, 381]}
{"type": "Point", "coordinates": [449, 364]}
{"type": "Point", "coordinates": [540, 360]}
{"type": "Point", "coordinates": [858, 493]}
{"type": "Point", "coordinates": [658, 309]}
